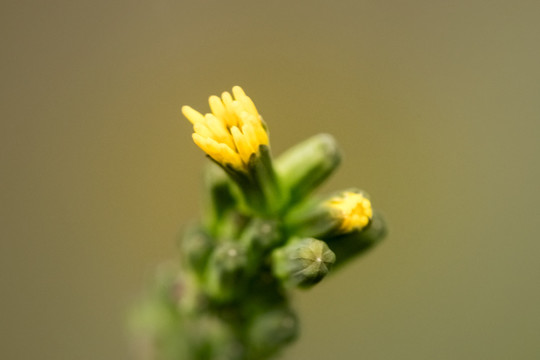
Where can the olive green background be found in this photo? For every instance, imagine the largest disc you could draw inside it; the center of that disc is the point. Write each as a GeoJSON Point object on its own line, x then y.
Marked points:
{"type": "Point", "coordinates": [436, 105]}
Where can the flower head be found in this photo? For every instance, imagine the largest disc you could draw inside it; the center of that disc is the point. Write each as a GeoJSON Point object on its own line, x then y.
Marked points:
{"type": "Point", "coordinates": [232, 132]}
{"type": "Point", "coordinates": [353, 209]}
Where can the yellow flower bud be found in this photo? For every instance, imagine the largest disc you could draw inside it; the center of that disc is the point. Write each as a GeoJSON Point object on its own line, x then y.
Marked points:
{"type": "Point", "coordinates": [232, 133]}
{"type": "Point", "coordinates": [352, 209]}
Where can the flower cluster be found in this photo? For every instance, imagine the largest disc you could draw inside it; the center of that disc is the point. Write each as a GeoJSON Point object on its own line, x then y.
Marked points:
{"type": "Point", "coordinates": [232, 132]}
{"type": "Point", "coordinates": [263, 233]}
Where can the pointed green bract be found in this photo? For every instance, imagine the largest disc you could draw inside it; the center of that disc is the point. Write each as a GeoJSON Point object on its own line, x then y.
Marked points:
{"type": "Point", "coordinates": [219, 198]}
{"type": "Point", "coordinates": [225, 272]}
{"type": "Point", "coordinates": [356, 243]}
{"type": "Point", "coordinates": [304, 167]}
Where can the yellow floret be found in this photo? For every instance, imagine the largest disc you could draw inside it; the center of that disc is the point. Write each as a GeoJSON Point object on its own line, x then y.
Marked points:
{"type": "Point", "coordinates": [234, 130]}
{"type": "Point", "coordinates": [353, 209]}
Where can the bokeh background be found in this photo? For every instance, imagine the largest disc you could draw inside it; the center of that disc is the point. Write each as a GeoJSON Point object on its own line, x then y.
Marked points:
{"type": "Point", "coordinates": [436, 105]}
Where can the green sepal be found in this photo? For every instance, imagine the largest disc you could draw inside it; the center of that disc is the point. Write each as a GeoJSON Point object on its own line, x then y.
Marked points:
{"type": "Point", "coordinates": [264, 176]}
{"type": "Point", "coordinates": [311, 219]}
{"type": "Point", "coordinates": [258, 186]}
{"type": "Point", "coordinates": [302, 262]}
{"type": "Point", "coordinates": [305, 166]}
{"type": "Point", "coordinates": [357, 243]}
{"type": "Point", "coordinates": [225, 273]}
{"type": "Point", "coordinates": [260, 236]}
{"type": "Point", "coordinates": [219, 197]}
{"type": "Point", "coordinates": [247, 192]}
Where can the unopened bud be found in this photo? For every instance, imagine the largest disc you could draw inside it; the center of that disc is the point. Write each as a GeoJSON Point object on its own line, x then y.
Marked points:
{"type": "Point", "coordinates": [302, 168]}
{"type": "Point", "coordinates": [302, 262]}
{"type": "Point", "coordinates": [225, 272]}
{"type": "Point", "coordinates": [261, 235]}
{"type": "Point", "coordinates": [335, 215]}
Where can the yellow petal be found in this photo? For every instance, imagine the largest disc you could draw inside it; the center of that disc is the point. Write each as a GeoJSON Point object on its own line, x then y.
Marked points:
{"type": "Point", "coordinates": [192, 114]}
{"type": "Point", "coordinates": [202, 130]}
{"type": "Point", "coordinates": [231, 118]}
{"type": "Point", "coordinates": [219, 152]}
{"type": "Point", "coordinates": [245, 101]}
{"type": "Point", "coordinates": [242, 145]}
{"type": "Point", "coordinates": [251, 136]}
{"type": "Point", "coordinates": [262, 136]}
{"type": "Point", "coordinates": [217, 107]}
{"type": "Point", "coordinates": [219, 129]}
{"type": "Point", "coordinates": [238, 92]}
{"type": "Point", "coordinates": [229, 156]}
{"type": "Point", "coordinates": [201, 141]}
{"type": "Point", "coordinates": [249, 105]}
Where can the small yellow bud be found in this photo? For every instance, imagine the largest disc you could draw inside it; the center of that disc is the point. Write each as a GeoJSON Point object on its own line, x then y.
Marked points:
{"type": "Point", "coordinates": [352, 209]}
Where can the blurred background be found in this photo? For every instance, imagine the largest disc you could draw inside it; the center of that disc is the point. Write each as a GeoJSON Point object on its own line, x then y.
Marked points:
{"type": "Point", "coordinates": [435, 104]}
